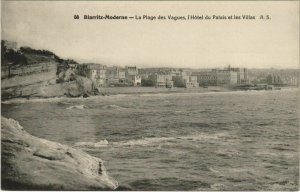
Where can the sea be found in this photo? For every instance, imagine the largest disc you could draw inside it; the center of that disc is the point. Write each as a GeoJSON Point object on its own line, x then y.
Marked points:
{"type": "Point", "coordinates": [240, 140]}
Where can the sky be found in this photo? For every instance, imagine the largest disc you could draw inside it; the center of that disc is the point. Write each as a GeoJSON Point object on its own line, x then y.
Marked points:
{"type": "Point", "coordinates": [159, 43]}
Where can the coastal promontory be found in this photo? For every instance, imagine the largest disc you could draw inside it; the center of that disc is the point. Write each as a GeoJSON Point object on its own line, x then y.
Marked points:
{"type": "Point", "coordinates": [31, 163]}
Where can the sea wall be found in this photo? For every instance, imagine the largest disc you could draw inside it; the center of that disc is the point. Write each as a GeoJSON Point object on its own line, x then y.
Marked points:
{"type": "Point", "coordinates": [31, 163]}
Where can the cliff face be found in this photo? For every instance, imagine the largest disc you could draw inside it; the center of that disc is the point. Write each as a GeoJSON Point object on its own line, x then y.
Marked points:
{"type": "Point", "coordinates": [31, 163]}
{"type": "Point", "coordinates": [44, 85]}
{"type": "Point", "coordinates": [27, 72]}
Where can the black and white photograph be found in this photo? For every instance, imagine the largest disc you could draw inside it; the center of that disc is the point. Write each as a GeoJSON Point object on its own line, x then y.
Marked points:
{"type": "Point", "coordinates": [150, 95]}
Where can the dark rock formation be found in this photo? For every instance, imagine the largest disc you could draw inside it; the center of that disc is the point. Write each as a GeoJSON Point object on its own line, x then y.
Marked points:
{"type": "Point", "coordinates": [31, 163]}
{"type": "Point", "coordinates": [45, 89]}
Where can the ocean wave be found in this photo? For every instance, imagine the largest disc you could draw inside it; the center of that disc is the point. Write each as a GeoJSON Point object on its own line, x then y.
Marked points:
{"type": "Point", "coordinates": [78, 107]}
{"type": "Point", "coordinates": [143, 142]}
{"type": "Point", "coordinates": [152, 141]}
{"type": "Point", "coordinates": [51, 100]}
{"type": "Point", "coordinates": [227, 152]}
{"type": "Point", "coordinates": [217, 187]}
{"type": "Point", "coordinates": [214, 171]}
{"type": "Point", "coordinates": [44, 100]}
{"type": "Point", "coordinates": [159, 140]}
{"type": "Point", "coordinates": [112, 107]}
{"type": "Point", "coordinates": [32, 100]}
{"type": "Point", "coordinates": [102, 143]}
{"type": "Point", "coordinates": [178, 111]}
{"type": "Point", "coordinates": [203, 136]}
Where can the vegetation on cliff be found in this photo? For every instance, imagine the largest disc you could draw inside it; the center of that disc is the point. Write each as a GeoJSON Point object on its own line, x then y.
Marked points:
{"type": "Point", "coordinates": [11, 57]}
{"type": "Point", "coordinates": [27, 72]}
{"type": "Point", "coordinates": [27, 56]}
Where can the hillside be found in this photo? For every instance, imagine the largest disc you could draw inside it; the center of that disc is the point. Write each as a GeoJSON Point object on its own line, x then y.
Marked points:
{"type": "Point", "coordinates": [13, 58]}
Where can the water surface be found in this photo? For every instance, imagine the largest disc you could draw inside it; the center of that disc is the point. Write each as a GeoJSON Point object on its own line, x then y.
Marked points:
{"type": "Point", "coordinates": [178, 141]}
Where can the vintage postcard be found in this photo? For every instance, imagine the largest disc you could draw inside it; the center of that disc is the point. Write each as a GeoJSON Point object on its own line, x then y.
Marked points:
{"type": "Point", "coordinates": [150, 95]}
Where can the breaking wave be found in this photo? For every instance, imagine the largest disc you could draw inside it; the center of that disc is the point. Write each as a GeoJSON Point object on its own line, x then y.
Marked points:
{"type": "Point", "coordinates": [78, 107]}
{"type": "Point", "coordinates": [44, 100]}
{"type": "Point", "coordinates": [143, 142]}
{"type": "Point", "coordinates": [35, 100]}
{"type": "Point", "coordinates": [102, 143]}
{"type": "Point", "coordinates": [112, 107]}
{"type": "Point", "coordinates": [151, 141]}
{"type": "Point", "coordinates": [228, 152]}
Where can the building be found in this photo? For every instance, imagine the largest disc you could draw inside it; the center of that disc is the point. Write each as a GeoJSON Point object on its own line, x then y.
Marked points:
{"type": "Point", "coordinates": [226, 76]}
{"type": "Point", "coordinates": [115, 76]}
{"type": "Point", "coordinates": [282, 79]}
{"type": "Point", "coordinates": [134, 80]}
{"type": "Point", "coordinates": [132, 76]}
{"type": "Point", "coordinates": [95, 72]}
{"type": "Point", "coordinates": [274, 79]}
{"type": "Point", "coordinates": [242, 75]}
{"type": "Point", "coordinates": [185, 81]}
{"type": "Point", "coordinates": [192, 82]}
{"type": "Point", "coordinates": [169, 84]}
{"type": "Point", "coordinates": [206, 78]}
{"type": "Point", "coordinates": [131, 70]}
{"type": "Point", "coordinates": [162, 80]}
{"type": "Point", "coordinates": [292, 81]}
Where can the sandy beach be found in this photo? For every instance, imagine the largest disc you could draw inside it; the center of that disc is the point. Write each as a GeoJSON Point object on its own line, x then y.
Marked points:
{"type": "Point", "coordinates": [138, 90]}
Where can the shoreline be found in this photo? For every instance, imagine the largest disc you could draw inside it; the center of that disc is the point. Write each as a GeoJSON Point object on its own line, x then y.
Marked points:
{"type": "Point", "coordinates": [115, 91]}
{"type": "Point", "coordinates": [153, 90]}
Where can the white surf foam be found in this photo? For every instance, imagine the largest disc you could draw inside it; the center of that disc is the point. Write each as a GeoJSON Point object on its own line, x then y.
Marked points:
{"type": "Point", "coordinates": [35, 100]}
{"type": "Point", "coordinates": [150, 141]}
{"type": "Point", "coordinates": [102, 143]}
{"type": "Point", "coordinates": [228, 152]}
{"type": "Point", "coordinates": [144, 141]}
{"type": "Point", "coordinates": [77, 107]}
{"type": "Point", "coordinates": [112, 107]}
{"type": "Point", "coordinates": [159, 140]}
{"type": "Point", "coordinates": [43, 100]}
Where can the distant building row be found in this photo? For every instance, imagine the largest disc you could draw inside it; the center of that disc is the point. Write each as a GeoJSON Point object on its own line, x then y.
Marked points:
{"type": "Point", "coordinates": [275, 79]}
{"type": "Point", "coordinates": [169, 81]}
{"type": "Point", "coordinates": [214, 77]}
{"type": "Point", "coordinates": [103, 76]}
{"type": "Point", "coordinates": [227, 76]}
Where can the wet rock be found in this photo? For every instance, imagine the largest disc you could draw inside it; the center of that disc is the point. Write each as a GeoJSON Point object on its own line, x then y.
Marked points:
{"type": "Point", "coordinates": [31, 163]}
{"type": "Point", "coordinates": [85, 95]}
{"type": "Point", "coordinates": [68, 75]}
{"type": "Point", "coordinates": [77, 88]}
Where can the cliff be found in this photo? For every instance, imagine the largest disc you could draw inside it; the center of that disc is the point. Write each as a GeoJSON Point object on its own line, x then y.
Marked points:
{"type": "Point", "coordinates": [27, 72]}
{"type": "Point", "coordinates": [44, 87]}
{"type": "Point", "coordinates": [31, 163]}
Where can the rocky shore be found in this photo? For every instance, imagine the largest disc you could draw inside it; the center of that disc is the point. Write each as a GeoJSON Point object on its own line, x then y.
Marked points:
{"type": "Point", "coordinates": [31, 163]}
{"type": "Point", "coordinates": [35, 85]}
